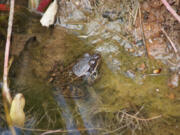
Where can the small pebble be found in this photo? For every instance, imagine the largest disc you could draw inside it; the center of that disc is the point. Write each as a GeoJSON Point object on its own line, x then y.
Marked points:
{"type": "Point", "coordinates": [142, 67]}
{"type": "Point", "coordinates": [157, 90]}
{"type": "Point", "coordinates": [130, 74]}
{"type": "Point", "coordinates": [171, 96]}
{"type": "Point", "coordinates": [50, 80]}
{"type": "Point", "coordinates": [53, 75]}
{"type": "Point", "coordinates": [1, 84]}
{"type": "Point", "coordinates": [156, 71]}
{"type": "Point", "coordinates": [131, 50]}
{"type": "Point", "coordinates": [173, 81]}
{"type": "Point", "coordinates": [139, 43]}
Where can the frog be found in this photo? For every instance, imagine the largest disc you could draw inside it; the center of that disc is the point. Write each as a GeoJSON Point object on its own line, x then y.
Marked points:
{"type": "Point", "coordinates": [72, 80]}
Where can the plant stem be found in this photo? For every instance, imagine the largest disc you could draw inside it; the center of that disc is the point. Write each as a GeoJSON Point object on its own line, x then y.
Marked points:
{"type": "Point", "coordinates": [5, 90]}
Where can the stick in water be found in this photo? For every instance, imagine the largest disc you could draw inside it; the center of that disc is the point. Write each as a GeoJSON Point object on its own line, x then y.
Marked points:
{"type": "Point", "coordinates": [171, 10]}
{"type": "Point", "coordinates": [5, 90]}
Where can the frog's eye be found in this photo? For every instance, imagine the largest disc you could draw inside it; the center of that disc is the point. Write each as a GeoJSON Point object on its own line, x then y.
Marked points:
{"type": "Point", "coordinates": [94, 75]}
{"type": "Point", "coordinates": [92, 62]}
{"type": "Point", "coordinates": [95, 56]}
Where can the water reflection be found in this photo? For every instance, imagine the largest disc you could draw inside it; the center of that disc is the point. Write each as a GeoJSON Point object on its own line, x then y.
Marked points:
{"type": "Point", "coordinates": [67, 114]}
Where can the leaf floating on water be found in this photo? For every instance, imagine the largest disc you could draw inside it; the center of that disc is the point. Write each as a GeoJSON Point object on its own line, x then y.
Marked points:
{"type": "Point", "coordinates": [49, 16]}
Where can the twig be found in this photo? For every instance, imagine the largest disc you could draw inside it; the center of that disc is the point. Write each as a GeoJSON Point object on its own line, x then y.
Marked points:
{"type": "Point", "coordinates": [171, 10]}
{"type": "Point", "coordinates": [142, 107]}
{"type": "Point", "coordinates": [31, 129]}
{"type": "Point", "coordinates": [115, 130]}
{"type": "Point", "coordinates": [142, 119]}
{"type": "Point", "coordinates": [71, 131]}
{"type": "Point", "coordinates": [142, 31]}
{"type": "Point", "coordinates": [136, 13]}
{"type": "Point", "coordinates": [5, 90]}
{"type": "Point", "coordinates": [60, 130]}
{"type": "Point", "coordinates": [172, 44]}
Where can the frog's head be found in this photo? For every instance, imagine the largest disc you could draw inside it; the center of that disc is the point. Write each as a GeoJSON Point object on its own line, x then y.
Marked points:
{"type": "Point", "coordinates": [94, 63]}
{"type": "Point", "coordinates": [87, 65]}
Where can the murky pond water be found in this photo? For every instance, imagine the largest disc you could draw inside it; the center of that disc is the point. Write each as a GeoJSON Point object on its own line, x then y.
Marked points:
{"type": "Point", "coordinates": [129, 96]}
{"type": "Point", "coordinates": [121, 90]}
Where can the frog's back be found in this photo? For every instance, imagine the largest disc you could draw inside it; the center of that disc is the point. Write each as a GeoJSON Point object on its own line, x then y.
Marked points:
{"type": "Point", "coordinates": [71, 80]}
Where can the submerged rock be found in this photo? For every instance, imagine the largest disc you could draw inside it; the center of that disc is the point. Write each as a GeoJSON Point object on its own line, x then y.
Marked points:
{"type": "Point", "coordinates": [173, 81]}
{"type": "Point", "coordinates": [130, 74]}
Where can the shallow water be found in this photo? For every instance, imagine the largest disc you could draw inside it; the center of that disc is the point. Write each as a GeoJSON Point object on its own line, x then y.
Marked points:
{"type": "Point", "coordinates": [121, 87]}
{"type": "Point", "coordinates": [127, 98]}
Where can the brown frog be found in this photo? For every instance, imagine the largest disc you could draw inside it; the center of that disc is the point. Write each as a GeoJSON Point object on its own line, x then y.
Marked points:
{"type": "Point", "coordinates": [71, 81]}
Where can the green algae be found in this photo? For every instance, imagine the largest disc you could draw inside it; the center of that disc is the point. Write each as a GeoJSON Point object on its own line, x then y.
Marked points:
{"type": "Point", "coordinates": [153, 92]}
{"type": "Point", "coordinates": [115, 89]}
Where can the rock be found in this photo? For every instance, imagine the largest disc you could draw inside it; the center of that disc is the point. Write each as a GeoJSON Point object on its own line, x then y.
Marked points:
{"type": "Point", "coordinates": [139, 43]}
{"type": "Point", "coordinates": [174, 81]}
{"type": "Point", "coordinates": [142, 67]}
{"type": "Point", "coordinates": [113, 64]}
{"type": "Point", "coordinates": [171, 96]}
{"type": "Point", "coordinates": [156, 3]}
{"type": "Point", "coordinates": [151, 30]}
{"type": "Point", "coordinates": [130, 74]}
{"type": "Point", "coordinates": [156, 48]}
{"type": "Point", "coordinates": [107, 48]}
